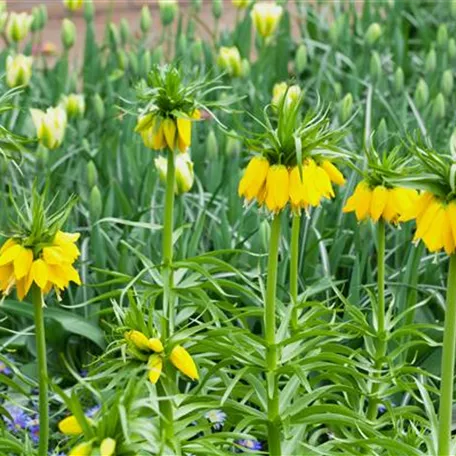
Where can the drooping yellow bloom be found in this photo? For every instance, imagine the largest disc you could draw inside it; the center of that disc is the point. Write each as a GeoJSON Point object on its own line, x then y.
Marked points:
{"type": "Point", "coordinates": [333, 173]}
{"type": "Point", "coordinates": [70, 426]}
{"type": "Point", "coordinates": [277, 188]}
{"type": "Point", "coordinates": [83, 449]}
{"type": "Point", "coordinates": [266, 17]}
{"type": "Point", "coordinates": [182, 360]}
{"type": "Point", "coordinates": [254, 178]}
{"type": "Point", "coordinates": [52, 267]}
{"type": "Point", "coordinates": [389, 204]}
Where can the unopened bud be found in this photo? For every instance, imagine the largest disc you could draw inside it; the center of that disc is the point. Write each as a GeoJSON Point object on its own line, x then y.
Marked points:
{"type": "Point", "coordinates": [382, 132]}
{"type": "Point", "coordinates": [452, 48]}
{"type": "Point", "coordinates": [301, 58]}
{"type": "Point", "coordinates": [447, 82]}
{"type": "Point", "coordinates": [431, 61]}
{"type": "Point", "coordinates": [92, 174]}
{"type": "Point", "coordinates": [68, 33]}
{"type": "Point", "coordinates": [44, 15]}
{"type": "Point", "coordinates": [217, 9]}
{"type": "Point", "coordinates": [196, 5]}
{"type": "Point", "coordinates": [168, 11]}
{"type": "Point", "coordinates": [145, 62]}
{"type": "Point", "coordinates": [438, 107]}
{"type": "Point", "coordinates": [114, 37]}
{"type": "Point", "coordinates": [95, 203]}
{"type": "Point", "coordinates": [398, 83]}
{"type": "Point", "coordinates": [36, 22]}
{"type": "Point", "coordinates": [89, 10]}
{"type": "Point", "coordinates": [421, 94]}
{"type": "Point", "coordinates": [146, 19]}
{"type": "Point", "coordinates": [157, 55]}
{"type": "Point", "coordinates": [373, 33]}
{"type": "Point", "coordinates": [346, 108]}
{"type": "Point", "coordinates": [196, 51]}
{"type": "Point", "coordinates": [125, 31]}
{"type": "Point", "coordinates": [99, 107]}
{"type": "Point", "coordinates": [212, 149]}
{"type": "Point", "coordinates": [442, 36]}
{"type": "Point", "coordinates": [133, 62]}
{"type": "Point", "coordinates": [375, 66]}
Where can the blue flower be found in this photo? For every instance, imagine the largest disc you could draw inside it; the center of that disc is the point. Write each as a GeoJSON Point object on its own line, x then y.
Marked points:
{"type": "Point", "coordinates": [33, 428]}
{"type": "Point", "coordinates": [91, 412]}
{"type": "Point", "coordinates": [216, 418]}
{"type": "Point", "coordinates": [18, 420]}
{"type": "Point", "coordinates": [251, 444]}
{"type": "Point", "coordinates": [4, 368]}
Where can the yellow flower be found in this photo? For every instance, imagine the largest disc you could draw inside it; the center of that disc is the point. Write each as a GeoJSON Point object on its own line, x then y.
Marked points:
{"type": "Point", "coordinates": [155, 345]}
{"type": "Point", "coordinates": [280, 90]}
{"type": "Point", "coordinates": [73, 5]}
{"type": "Point", "coordinates": [333, 173]}
{"type": "Point", "coordinates": [73, 104]}
{"type": "Point", "coordinates": [266, 17]}
{"type": "Point", "coordinates": [155, 365]}
{"type": "Point", "coordinates": [254, 178]}
{"type": "Point", "coordinates": [182, 360]}
{"type": "Point", "coordinates": [50, 267]}
{"type": "Point", "coordinates": [390, 204]}
{"type": "Point", "coordinates": [18, 70]}
{"type": "Point", "coordinates": [50, 126]}
{"type": "Point", "coordinates": [107, 447]}
{"type": "Point", "coordinates": [229, 60]}
{"type": "Point", "coordinates": [277, 188]}
{"type": "Point", "coordinates": [314, 184]}
{"type": "Point", "coordinates": [241, 4]}
{"type": "Point", "coordinates": [18, 26]}
{"type": "Point", "coordinates": [83, 449]}
{"type": "Point", "coordinates": [141, 341]}
{"type": "Point", "coordinates": [70, 426]}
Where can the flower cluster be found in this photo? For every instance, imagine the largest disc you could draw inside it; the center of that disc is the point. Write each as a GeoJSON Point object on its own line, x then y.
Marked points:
{"type": "Point", "coordinates": [389, 204]}
{"type": "Point", "coordinates": [48, 266]}
{"type": "Point", "coordinates": [18, 420]}
{"type": "Point", "coordinates": [277, 185]}
{"type": "Point", "coordinates": [153, 351]}
{"type": "Point", "coordinates": [174, 133]}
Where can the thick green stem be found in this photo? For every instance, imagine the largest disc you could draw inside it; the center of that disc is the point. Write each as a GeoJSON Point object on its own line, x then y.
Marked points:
{"type": "Point", "coordinates": [37, 300]}
{"type": "Point", "coordinates": [294, 258]}
{"type": "Point", "coordinates": [448, 358]}
{"type": "Point", "coordinates": [274, 434]}
{"type": "Point", "coordinates": [381, 314]}
{"type": "Point", "coordinates": [165, 386]}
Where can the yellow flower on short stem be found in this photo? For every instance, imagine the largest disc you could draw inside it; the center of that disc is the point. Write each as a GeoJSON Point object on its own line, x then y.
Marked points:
{"type": "Point", "coordinates": [379, 202]}
{"type": "Point", "coordinates": [50, 266]}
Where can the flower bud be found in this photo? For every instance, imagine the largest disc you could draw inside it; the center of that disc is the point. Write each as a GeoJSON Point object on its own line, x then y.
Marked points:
{"type": "Point", "coordinates": [18, 26]}
{"type": "Point", "coordinates": [196, 5]}
{"type": "Point", "coordinates": [18, 70]}
{"type": "Point", "coordinates": [212, 148]}
{"type": "Point", "coordinates": [168, 11]}
{"type": "Point", "coordinates": [421, 94]}
{"type": "Point", "coordinates": [182, 44]}
{"type": "Point", "coordinates": [145, 63]}
{"type": "Point", "coordinates": [373, 33]}
{"type": "Point", "coordinates": [346, 108]}
{"type": "Point", "coordinates": [95, 203]}
{"type": "Point", "coordinates": [233, 145]}
{"type": "Point", "coordinates": [114, 36]}
{"type": "Point", "coordinates": [197, 51]}
{"type": "Point", "coordinates": [182, 360]}
{"type": "Point", "coordinates": [83, 449]}
{"type": "Point", "coordinates": [240, 4]}
{"type": "Point", "coordinates": [146, 19]}
{"type": "Point", "coordinates": [73, 5]}
{"type": "Point", "coordinates": [337, 90]}
{"type": "Point", "coordinates": [125, 31]}
{"type": "Point", "coordinates": [442, 36]}
{"type": "Point", "coordinates": [438, 107]}
{"type": "Point", "coordinates": [281, 90]}
{"type": "Point", "coordinates": [108, 447]}
{"type": "Point", "coordinates": [217, 9]}
{"type": "Point", "coordinates": [301, 58]}
{"type": "Point", "coordinates": [264, 233]}
{"type": "Point", "coordinates": [184, 172]}
{"type": "Point", "coordinates": [382, 133]}
{"type": "Point", "coordinates": [50, 126]}
{"type": "Point", "coordinates": [230, 61]}
{"type": "Point", "coordinates": [44, 15]}
{"type": "Point", "coordinates": [74, 105]}
{"type": "Point", "coordinates": [99, 107]}
{"type": "Point", "coordinates": [36, 22]}
{"type": "Point", "coordinates": [266, 17]}
{"type": "Point", "coordinates": [398, 83]}
{"type": "Point", "coordinates": [452, 48]}
{"type": "Point", "coordinates": [89, 10]}
{"type": "Point", "coordinates": [431, 61]}
{"type": "Point", "coordinates": [375, 66]}
{"type": "Point", "coordinates": [92, 174]}
{"type": "Point", "coordinates": [68, 34]}
{"type": "Point", "coordinates": [447, 83]}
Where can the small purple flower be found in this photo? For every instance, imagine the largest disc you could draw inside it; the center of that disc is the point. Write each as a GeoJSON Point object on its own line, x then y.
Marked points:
{"type": "Point", "coordinates": [91, 412]}
{"type": "Point", "coordinates": [18, 420]}
{"type": "Point", "coordinates": [33, 427]}
{"type": "Point", "coordinates": [381, 408]}
{"type": "Point", "coordinates": [250, 444]}
{"type": "Point", "coordinates": [4, 369]}
{"type": "Point", "coordinates": [216, 418]}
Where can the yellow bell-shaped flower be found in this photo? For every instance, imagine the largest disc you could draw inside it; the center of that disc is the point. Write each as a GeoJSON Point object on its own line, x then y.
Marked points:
{"type": "Point", "coordinates": [70, 426]}
{"type": "Point", "coordinates": [182, 360]}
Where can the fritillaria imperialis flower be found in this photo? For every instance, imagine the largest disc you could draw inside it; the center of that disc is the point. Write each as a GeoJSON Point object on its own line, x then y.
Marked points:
{"type": "Point", "coordinates": [179, 356]}
{"type": "Point", "coordinates": [389, 204]}
{"type": "Point", "coordinates": [184, 172]}
{"type": "Point", "coordinates": [277, 185]}
{"type": "Point", "coordinates": [50, 126]}
{"type": "Point", "coordinates": [48, 265]}
{"type": "Point", "coordinates": [229, 60]}
{"type": "Point", "coordinates": [18, 26]}
{"type": "Point", "coordinates": [280, 90]}
{"type": "Point", "coordinates": [266, 17]}
{"type": "Point", "coordinates": [174, 133]}
{"type": "Point", "coordinates": [18, 70]}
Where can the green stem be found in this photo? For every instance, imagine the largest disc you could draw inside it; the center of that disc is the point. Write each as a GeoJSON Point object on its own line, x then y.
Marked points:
{"type": "Point", "coordinates": [274, 434]}
{"type": "Point", "coordinates": [166, 382]}
{"type": "Point", "coordinates": [448, 358]}
{"type": "Point", "coordinates": [37, 300]}
{"type": "Point", "coordinates": [381, 328]}
{"type": "Point", "coordinates": [294, 258]}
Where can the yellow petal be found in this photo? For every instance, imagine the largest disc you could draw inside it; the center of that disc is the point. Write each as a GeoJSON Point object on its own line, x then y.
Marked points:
{"type": "Point", "coordinates": [83, 449]}
{"type": "Point", "coordinates": [107, 447]}
{"type": "Point", "coordinates": [70, 426]}
{"type": "Point", "coordinates": [10, 253]}
{"type": "Point", "coordinates": [424, 220]}
{"type": "Point", "coordinates": [448, 239]}
{"type": "Point", "coordinates": [333, 173]}
{"type": "Point", "coordinates": [378, 202]}
{"type": "Point", "coordinates": [296, 187]}
{"type": "Point", "coordinates": [138, 339]}
{"type": "Point", "coordinates": [390, 211]}
{"type": "Point", "coordinates": [9, 243]}
{"type": "Point", "coordinates": [6, 277]}
{"type": "Point", "coordinates": [277, 188]}
{"type": "Point", "coordinates": [155, 344]}
{"type": "Point", "coordinates": [63, 238]}
{"type": "Point", "coordinates": [433, 238]}
{"type": "Point", "coordinates": [254, 178]}
{"type": "Point", "coordinates": [363, 200]}
{"type": "Point", "coordinates": [23, 262]}
{"type": "Point", "coordinates": [182, 360]}
{"type": "Point", "coordinates": [155, 365]}
{"type": "Point", "coordinates": [169, 130]}
{"type": "Point", "coordinates": [39, 273]}
{"type": "Point", "coordinates": [53, 255]}
{"type": "Point", "coordinates": [323, 183]}
{"type": "Point", "coordinates": [451, 214]}
{"type": "Point", "coordinates": [184, 128]}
